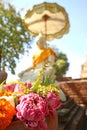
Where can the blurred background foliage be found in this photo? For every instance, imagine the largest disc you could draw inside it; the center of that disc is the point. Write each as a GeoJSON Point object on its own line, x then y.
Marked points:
{"type": "Point", "coordinates": [14, 38]}
{"type": "Point", "coordinates": [61, 64]}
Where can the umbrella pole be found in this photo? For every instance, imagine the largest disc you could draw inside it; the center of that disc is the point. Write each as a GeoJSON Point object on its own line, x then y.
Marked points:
{"type": "Point", "coordinates": [45, 18]}
{"type": "Point", "coordinates": [46, 30]}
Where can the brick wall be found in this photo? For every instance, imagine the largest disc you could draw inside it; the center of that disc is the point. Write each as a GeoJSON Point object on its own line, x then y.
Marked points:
{"type": "Point", "coordinates": [76, 89]}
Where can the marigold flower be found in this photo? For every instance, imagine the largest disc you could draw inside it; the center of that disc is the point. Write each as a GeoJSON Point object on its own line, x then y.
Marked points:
{"type": "Point", "coordinates": [6, 93]}
{"type": "Point", "coordinates": [1, 93]}
{"type": "Point", "coordinates": [7, 111]}
{"type": "Point", "coordinates": [10, 99]}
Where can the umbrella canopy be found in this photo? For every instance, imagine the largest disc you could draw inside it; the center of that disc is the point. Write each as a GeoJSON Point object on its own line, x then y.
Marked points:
{"type": "Point", "coordinates": [50, 19]}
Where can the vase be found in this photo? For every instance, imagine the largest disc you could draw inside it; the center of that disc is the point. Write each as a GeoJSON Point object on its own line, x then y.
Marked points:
{"type": "Point", "coordinates": [52, 124]}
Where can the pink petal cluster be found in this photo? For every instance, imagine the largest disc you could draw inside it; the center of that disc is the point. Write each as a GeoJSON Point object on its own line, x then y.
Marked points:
{"type": "Point", "coordinates": [28, 84]}
{"type": "Point", "coordinates": [9, 88]}
{"type": "Point", "coordinates": [52, 101]}
{"type": "Point", "coordinates": [32, 109]}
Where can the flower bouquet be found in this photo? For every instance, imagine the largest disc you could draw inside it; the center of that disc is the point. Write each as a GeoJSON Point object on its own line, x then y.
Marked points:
{"type": "Point", "coordinates": [30, 104]}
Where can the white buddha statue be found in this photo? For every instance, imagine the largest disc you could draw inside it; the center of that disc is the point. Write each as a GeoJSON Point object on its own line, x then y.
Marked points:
{"type": "Point", "coordinates": [44, 56]}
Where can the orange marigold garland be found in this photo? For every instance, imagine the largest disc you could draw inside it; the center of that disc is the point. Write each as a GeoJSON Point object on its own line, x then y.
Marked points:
{"type": "Point", "coordinates": [5, 93]}
{"type": "Point", "coordinates": [7, 111]}
{"type": "Point", "coordinates": [1, 94]}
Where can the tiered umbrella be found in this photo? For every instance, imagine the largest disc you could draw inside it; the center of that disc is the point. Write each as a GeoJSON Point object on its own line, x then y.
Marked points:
{"type": "Point", "coordinates": [50, 19]}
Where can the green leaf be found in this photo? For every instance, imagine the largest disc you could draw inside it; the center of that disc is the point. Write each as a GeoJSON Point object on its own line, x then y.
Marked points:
{"type": "Point", "coordinates": [35, 86]}
{"type": "Point", "coordinates": [16, 100]}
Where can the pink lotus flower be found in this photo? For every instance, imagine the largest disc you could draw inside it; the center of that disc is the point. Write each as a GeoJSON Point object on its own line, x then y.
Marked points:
{"type": "Point", "coordinates": [32, 109]}
{"type": "Point", "coordinates": [52, 101]}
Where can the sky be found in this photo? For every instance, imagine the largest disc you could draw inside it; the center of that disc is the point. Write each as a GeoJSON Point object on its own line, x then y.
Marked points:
{"type": "Point", "coordinates": [73, 44]}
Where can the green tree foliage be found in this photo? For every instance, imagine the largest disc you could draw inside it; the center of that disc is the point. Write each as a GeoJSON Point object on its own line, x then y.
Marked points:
{"type": "Point", "coordinates": [14, 38]}
{"type": "Point", "coordinates": [61, 64]}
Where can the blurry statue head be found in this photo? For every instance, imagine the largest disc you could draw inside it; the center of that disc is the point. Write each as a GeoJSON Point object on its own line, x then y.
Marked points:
{"type": "Point", "coordinates": [41, 41]}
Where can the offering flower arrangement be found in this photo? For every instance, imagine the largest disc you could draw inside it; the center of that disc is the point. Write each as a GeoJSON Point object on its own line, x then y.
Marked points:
{"type": "Point", "coordinates": [28, 102]}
